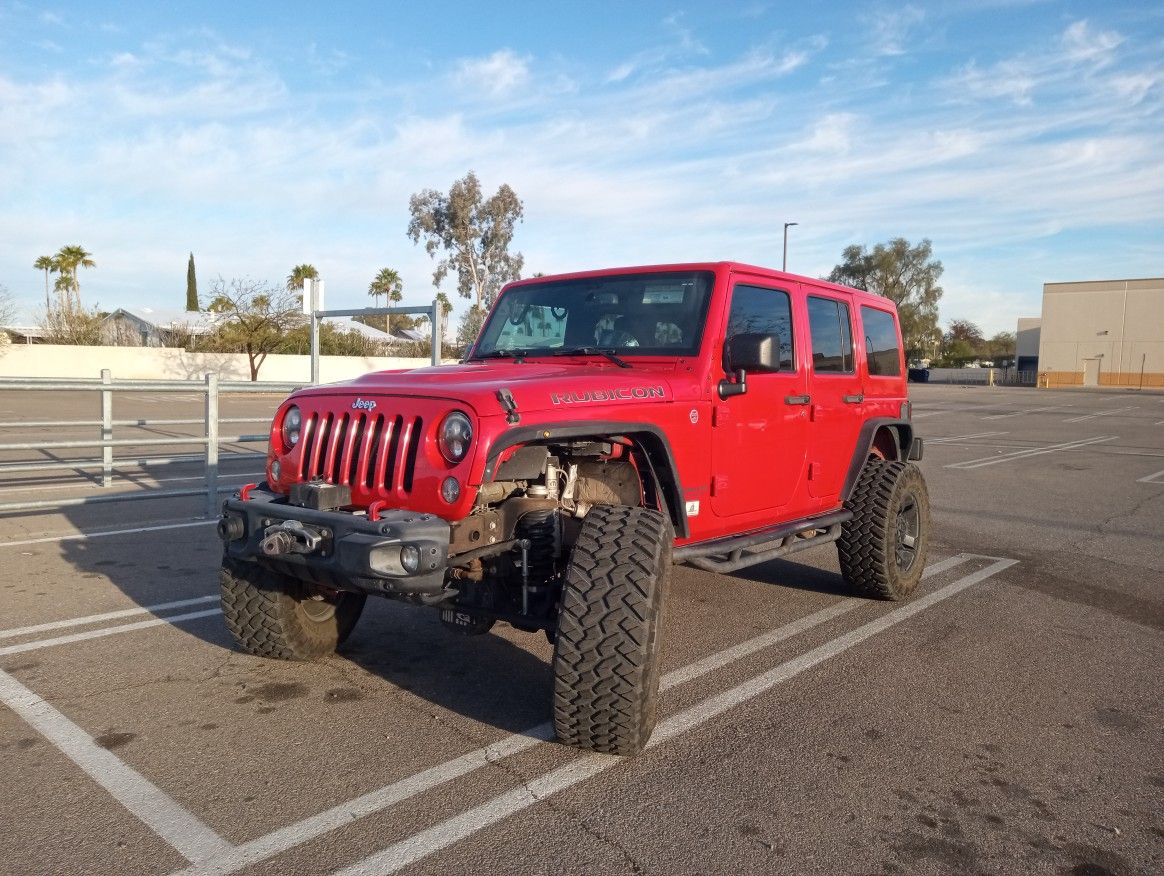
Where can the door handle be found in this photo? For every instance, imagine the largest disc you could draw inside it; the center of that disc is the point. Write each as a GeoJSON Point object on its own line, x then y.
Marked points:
{"type": "Point", "coordinates": [797, 399]}
{"type": "Point", "coordinates": [853, 399]}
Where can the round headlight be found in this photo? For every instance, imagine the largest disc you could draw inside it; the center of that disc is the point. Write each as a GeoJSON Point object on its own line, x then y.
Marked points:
{"type": "Point", "coordinates": [455, 436]}
{"type": "Point", "coordinates": [292, 423]}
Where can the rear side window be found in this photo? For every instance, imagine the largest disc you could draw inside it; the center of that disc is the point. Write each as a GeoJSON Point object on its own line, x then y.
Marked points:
{"type": "Point", "coordinates": [766, 311]}
{"type": "Point", "coordinates": [881, 345]}
{"type": "Point", "coordinates": [832, 344]}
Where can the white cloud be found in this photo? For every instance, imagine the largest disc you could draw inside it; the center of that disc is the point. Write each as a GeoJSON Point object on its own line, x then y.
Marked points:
{"type": "Point", "coordinates": [1082, 43]}
{"type": "Point", "coordinates": [498, 74]}
{"type": "Point", "coordinates": [892, 28]}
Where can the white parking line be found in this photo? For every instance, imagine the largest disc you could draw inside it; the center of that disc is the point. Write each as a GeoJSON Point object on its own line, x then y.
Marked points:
{"type": "Point", "coordinates": [106, 631]}
{"type": "Point", "coordinates": [167, 818]}
{"type": "Point", "coordinates": [109, 615]}
{"type": "Point", "coordinates": [300, 832]}
{"type": "Point", "coordinates": [80, 536]}
{"type": "Point", "coordinates": [1151, 479]}
{"type": "Point", "coordinates": [1027, 411]}
{"type": "Point", "coordinates": [952, 438]}
{"type": "Point", "coordinates": [420, 845]}
{"type": "Point", "coordinates": [1024, 454]}
{"type": "Point", "coordinates": [1106, 413]}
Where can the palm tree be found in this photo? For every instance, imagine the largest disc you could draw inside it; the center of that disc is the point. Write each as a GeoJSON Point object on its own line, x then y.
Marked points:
{"type": "Point", "coordinates": [298, 274]}
{"type": "Point", "coordinates": [69, 260]}
{"type": "Point", "coordinates": [388, 284]}
{"type": "Point", "coordinates": [46, 264]}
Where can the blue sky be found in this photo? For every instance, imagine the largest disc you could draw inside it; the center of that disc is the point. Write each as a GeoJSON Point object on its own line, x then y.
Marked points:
{"type": "Point", "coordinates": [1023, 138]}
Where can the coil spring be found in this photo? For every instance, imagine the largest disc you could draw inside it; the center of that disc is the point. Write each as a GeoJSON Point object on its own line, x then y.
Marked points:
{"type": "Point", "coordinates": [541, 528]}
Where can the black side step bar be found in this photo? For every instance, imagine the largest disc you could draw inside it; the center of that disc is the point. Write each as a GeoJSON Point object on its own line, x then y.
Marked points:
{"type": "Point", "coordinates": [726, 555]}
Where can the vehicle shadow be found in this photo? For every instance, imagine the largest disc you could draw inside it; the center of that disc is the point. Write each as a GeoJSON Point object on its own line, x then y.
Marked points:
{"type": "Point", "coordinates": [501, 679]}
{"type": "Point", "coordinates": [796, 576]}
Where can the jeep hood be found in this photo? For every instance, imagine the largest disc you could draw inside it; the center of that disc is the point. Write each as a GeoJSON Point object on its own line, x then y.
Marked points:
{"type": "Point", "coordinates": [536, 386]}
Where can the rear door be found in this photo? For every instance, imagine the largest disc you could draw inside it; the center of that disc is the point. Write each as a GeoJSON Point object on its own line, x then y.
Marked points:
{"type": "Point", "coordinates": [837, 409]}
{"type": "Point", "coordinates": [758, 439]}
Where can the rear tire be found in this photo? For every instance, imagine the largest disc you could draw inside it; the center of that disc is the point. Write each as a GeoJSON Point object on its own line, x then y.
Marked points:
{"type": "Point", "coordinates": [274, 615]}
{"type": "Point", "coordinates": [606, 653]}
{"type": "Point", "coordinates": [883, 548]}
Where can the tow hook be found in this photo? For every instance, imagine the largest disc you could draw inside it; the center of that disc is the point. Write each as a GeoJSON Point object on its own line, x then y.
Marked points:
{"type": "Point", "coordinates": [290, 537]}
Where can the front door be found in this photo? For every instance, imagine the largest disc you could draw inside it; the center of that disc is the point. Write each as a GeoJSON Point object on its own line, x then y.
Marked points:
{"type": "Point", "coordinates": [759, 437]}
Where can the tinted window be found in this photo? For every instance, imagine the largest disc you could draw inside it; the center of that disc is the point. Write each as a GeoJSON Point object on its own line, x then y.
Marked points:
{"type": "Point", "coordinates": [832, 344]}
{"type": "Point", "coordinates": [766, 311]}
{"type": "Point", "coordinates": [881, 346]}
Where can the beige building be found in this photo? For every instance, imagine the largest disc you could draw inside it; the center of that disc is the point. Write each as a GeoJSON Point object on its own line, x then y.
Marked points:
{"type": "Point", "coordinates": [1100, 333]}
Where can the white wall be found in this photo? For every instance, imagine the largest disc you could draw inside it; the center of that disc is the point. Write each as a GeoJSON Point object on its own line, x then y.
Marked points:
{"type": "Point", "coordinates": [152, 363]}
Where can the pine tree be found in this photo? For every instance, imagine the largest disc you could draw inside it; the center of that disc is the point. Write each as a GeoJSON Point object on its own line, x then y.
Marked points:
{"type": "Point", "coordinates": [191, 287]}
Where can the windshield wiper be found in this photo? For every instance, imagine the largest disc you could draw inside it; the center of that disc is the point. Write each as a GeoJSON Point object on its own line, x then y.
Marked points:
{"type": "Point", "coordinates": [518, 356]}
{"type": "Point", "coordinates": [594, 351]}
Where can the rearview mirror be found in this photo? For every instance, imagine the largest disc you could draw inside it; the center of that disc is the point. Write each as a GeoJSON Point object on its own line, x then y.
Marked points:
{"type": "Point", "coordinates": [754, 351]}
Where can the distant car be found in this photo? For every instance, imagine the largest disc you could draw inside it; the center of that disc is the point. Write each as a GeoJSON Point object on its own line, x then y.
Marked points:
{"type": "Point", "coordinates": [919, 375]}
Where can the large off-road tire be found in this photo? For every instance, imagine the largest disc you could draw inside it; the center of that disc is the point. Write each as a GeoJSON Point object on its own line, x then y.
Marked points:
{"type": "Point", "coordinates": [606, 654]}
{"type": "Point", "coordinates": [273, 615]}
{"type": "Point", "coordinates": [883, 548]}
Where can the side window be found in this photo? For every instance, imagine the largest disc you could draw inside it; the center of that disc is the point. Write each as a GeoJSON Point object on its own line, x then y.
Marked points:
{"type": "Point", "coordinates": [832, 344]}
{"type": "Point", "coordinates": [881, 345]}
{"type": "Point", "coordinates": [756, 309]}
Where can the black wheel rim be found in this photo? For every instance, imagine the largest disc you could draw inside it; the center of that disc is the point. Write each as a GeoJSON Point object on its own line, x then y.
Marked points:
{"type": "Point", "coordinates": [907, 533]}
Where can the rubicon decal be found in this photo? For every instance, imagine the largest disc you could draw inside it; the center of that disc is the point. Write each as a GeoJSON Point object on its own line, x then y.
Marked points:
{"type": "Point", "coordinates": [363, 405]}
{"type": "Point", "coordinates": [602, 395]}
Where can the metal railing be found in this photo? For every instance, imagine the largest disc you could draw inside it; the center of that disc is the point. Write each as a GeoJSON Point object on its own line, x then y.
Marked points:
{"type": "Point", "coordinates": [211, 439]}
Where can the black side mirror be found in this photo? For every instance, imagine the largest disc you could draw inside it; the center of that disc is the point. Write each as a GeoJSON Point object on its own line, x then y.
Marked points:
{"type": "Point", "coordinates": [754, 351]}
{"type": "Point", "coordinates": [750, 351]}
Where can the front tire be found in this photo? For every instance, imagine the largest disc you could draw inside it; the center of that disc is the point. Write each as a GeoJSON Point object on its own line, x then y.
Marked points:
{"type": "Point", "coordinates": [274, 615]}
{"type": "Point", "coordinates": [606, 654]}
{"type": "Point", "coordinates": [883, 548]}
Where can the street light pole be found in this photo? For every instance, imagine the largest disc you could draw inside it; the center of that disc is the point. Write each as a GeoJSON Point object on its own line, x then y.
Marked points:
{"type": "Point", "coordinates": [786, 226]}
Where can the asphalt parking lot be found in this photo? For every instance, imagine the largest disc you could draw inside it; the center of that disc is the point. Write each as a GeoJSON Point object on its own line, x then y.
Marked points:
{"type": "Point", "coordinates": [1007, 719]}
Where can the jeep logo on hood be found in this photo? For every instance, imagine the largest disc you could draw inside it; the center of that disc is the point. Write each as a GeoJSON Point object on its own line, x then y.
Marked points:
{"type": "Point", "coordinates": [363, 405]}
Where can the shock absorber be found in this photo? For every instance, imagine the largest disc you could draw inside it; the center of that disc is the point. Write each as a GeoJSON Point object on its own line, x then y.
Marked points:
{"type": "Point", "coordinates": [540, 530]}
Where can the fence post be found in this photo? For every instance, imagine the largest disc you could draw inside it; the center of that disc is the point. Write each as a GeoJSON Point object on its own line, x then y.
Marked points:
{"type": "Point", "coordinates": [106, 429]}
{"type": "Point", "coordinates": [211, 445]}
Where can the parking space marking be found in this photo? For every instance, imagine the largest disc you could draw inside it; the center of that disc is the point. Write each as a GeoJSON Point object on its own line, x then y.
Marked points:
{"type": "Point", "coordinates": [106, 631]}
{"type": "Point", "coordinates": [286, 838]}
{"type": "Point", "coordinates": [952, 438]}
{"type": "Point", "coordinates": [1027, 411]}
{"type": "Point", "coordinates": [1025, 454]}
{"type": "Point", "coordinates": [171, 821]}
{"type": "Point", "coordinates": [424, 843]}
{"type": "Point", "coordinates": [109, 615]}
{"type": "Point", "coordinates": [1151, 479]}
{"type": "Point", "coordinates": [1106, 413]}
{"type": "Point", "coordinates": [77, 536]}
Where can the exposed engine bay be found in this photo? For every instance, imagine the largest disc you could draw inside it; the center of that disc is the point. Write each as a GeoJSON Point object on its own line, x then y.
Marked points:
{"type": "Point", "coordinates": [508, 556]}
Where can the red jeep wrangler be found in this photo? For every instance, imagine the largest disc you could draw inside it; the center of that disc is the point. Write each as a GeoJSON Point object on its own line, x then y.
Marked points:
{"type": "Point", "coordinates": [604, 426]}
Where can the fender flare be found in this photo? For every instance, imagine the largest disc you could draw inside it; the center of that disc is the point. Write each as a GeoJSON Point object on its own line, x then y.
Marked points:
{"type": "Point", "coordinates": [902, 431]}
{"type": "Point", "coordinates": [652, 453]}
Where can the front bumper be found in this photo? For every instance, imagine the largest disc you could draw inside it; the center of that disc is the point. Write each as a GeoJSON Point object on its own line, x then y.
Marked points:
{"type": "Point", "coordinates": [344, 551]}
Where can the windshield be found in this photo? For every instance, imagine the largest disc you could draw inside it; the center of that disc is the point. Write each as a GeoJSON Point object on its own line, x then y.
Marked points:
{"type": "Point", "coordinates": [630, 314]}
